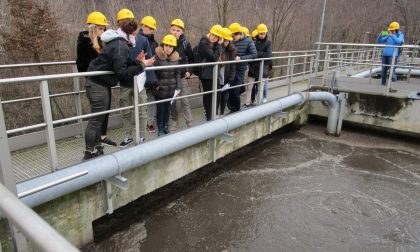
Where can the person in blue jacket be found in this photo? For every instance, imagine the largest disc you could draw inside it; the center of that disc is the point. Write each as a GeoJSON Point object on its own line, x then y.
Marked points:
{"type": "Point", "coordinates": [393, 37]}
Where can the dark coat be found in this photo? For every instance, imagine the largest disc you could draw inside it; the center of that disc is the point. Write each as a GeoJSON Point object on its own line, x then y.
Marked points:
{"type": "Point", "coordinates": [168, 79]}
{"type": "Point", "coordinates": [246, 50]}
{"type": "Point", "coordinates": [152, 42]}
{"type": "Point", "coordinates": [185, 52]}
{"type": "Point", "coordinates": [206, 53]}
{"type": "Point", "coordinates": [85, 51]}
{"type": "Point", "coordinates": [115, 57]}
{"type": "Point", "coordinates": [142, 44]}
{"type": "Point", "coordinates": [230, 69]}
{"type": "Point", "coordinates": [264, 50]}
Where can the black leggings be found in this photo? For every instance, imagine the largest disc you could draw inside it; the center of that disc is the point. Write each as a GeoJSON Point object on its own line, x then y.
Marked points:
{"type": "Point", "coordinates": [207, 86]}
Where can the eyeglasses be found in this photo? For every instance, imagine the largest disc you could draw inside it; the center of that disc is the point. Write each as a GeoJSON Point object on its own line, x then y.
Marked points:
{"type": "Point", "coordinates": [236, 34]}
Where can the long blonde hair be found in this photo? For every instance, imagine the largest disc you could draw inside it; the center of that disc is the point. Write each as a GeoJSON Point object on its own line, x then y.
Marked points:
{"type": "Point", "coordinates": [93, 35]}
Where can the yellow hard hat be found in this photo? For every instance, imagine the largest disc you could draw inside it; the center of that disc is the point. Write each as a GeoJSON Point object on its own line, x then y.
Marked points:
{"type": "Point", "coordinates": [217, 30]}
{"type": "Point", "coordinates": [245, 31]}
{"type": "Point", "coordinates": [227, 34]}
{"type": "Point", "coordinates": [394, 26]}
{"type": "Point", "coordinates": [97, 18]}
{"type": "Point", "coordinates": [149, 21]}
{"type": "Point", "coordinates": [262, 28]}
{"type": "Point", "coordinates": [235, 27]}
{"type": "Point", "coordinates": [169, 40]}
{"type": "Point", "coordinates": [178, 22]}
{"type": "Point", "coordinates": [254, 33]}
{"type": "Point", "coordinates": [124, 13]}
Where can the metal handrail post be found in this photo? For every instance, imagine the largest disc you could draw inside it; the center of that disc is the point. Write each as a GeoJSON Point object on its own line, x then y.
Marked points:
{"type": "Point", "coordinates": [326, 64]}
{"type": "Point", "coordinates": [214, 94]}
{"type": "Point", "coordinates": [7, 178]}
{"type": "Point", "coordinates": [305, 61]}
{"type": "Point", "coordinates": [260, 83]}
{"type": "Point", "coordinates": [78, 100]}
{"type": "Point", "coordinates": [136, 109]}
{"type": "Point", "coordinates": [212, 141]}
{"type": "Point", "coordinates": [288, 65]}
{"type": "Point", "coordinates": [411, 64]}
{"type": "Point", "coordinates": [391, 70]}
{"type": "Point", "coordinates": [289, 88]}
{"type": "Point", "coordinates": [46, 110]}
{"type": "Point", "coordinates": [371, 65]}
{"type": "Point", "coordinates": [310, 74]}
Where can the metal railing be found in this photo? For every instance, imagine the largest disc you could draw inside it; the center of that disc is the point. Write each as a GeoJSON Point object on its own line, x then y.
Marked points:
{"type": "Point", "coordinates": [367, 57]}
{"type": "Point", "coordinates": [45, 97]}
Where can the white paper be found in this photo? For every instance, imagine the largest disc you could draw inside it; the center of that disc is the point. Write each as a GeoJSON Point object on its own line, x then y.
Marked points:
{"type": "Point", "coordinates": [176, 93]}
{"type": "Point", "coordinates": [141, 80]}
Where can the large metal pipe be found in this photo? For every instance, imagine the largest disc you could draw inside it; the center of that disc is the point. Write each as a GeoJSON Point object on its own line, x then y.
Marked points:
{"type": "Point", "coordinates": [110, 165]}
{"type": "Point", "coordinates": [333, 112]}
{"type": "Point", "coordinates": [365, 74]}
{"type": "Point", "coordinates": [37, 230]}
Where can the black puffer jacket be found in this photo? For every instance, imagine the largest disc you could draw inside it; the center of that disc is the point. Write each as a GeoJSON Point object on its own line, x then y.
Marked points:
{"type": "Point", "coordinates": [168, 79]}
{"type": "Point", "coordinates": [264, 50]}
{"type": "Point", "coordinates": [114, 57]}
{"type": "Point", "coordinates": [230, 69]}
{"type": "Point", "coordinates": [85, 51]}
{"type": "Point", "coordinates": [206, 53]}
{"type": "Point", "coordinates": [185, 52]}
{"type": "Point", "coordinates": [152, 42]}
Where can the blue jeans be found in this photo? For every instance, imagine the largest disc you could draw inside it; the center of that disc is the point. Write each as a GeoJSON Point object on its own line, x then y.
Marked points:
{"type": "Point", "coordinates": [234, 94]}
{"type": "Point", "coordinates": [386, 60]}
{"type": "Point", "coordinates": [265, 89]}
{"type": "Point", "coordinates": [162, 115]}
{"type": "Point", "coordinates": [99, 98]}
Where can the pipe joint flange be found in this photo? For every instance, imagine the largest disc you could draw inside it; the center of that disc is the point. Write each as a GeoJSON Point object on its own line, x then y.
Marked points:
{"type": "Point", "coordinates": [301, 95]}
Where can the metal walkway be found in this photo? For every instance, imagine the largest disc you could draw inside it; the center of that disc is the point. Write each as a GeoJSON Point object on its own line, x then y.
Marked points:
{"type": "Point", "coordinates": [32, 162]}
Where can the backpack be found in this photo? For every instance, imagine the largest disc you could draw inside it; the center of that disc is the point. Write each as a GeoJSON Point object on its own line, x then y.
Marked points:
{"type": "Point", "coordinates": [197, 59]}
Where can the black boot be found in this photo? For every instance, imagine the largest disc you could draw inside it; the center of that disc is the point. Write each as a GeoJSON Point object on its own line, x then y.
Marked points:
{"type": "Point", "coordinates": [89, 154]}
{"type": "Point", "coordinates": [99, 150]}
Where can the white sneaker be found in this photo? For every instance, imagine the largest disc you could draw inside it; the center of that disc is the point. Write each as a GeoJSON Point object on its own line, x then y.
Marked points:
{"type": "Point", "coordinates": [265, 100]}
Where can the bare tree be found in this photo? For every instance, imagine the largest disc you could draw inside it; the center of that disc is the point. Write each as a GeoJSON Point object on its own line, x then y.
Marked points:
{"type": "Point", "coordinates": [34, 34]}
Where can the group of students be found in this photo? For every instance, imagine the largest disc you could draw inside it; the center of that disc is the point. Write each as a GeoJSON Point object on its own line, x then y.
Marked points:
{"type": "Point", "coordinates": [129, 49]}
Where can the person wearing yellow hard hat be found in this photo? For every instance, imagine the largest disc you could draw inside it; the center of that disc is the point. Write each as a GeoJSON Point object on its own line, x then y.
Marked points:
{"type": "Point", "coordinates": [167, 80]}
{"type": "Point", "coordinates": [89, 42]}
{"type": "Point", "coordinates": [209, 49]}
{"type": "Point", "coordinates": [147, 31]}
{"type": "Point", "coordinates": [89, 45]}
{"type": "Point", "coordinates": [254, 34]}
{"type": "Point", "coordinates": [264, 50]}
{"type": "Point", "coordinates": [226, 72]}
{"type": "Point", "coordinates": [393, 37]}
{"type": "Point", "coordinates": [245, 31]}
{"type": "Point", "coordinates": [245, 50]}
{"type": "Point", "coordinates": [148, 27]}
{"type": "Point", "coordinates": [125, 16]}
{"type": "Point", "coordinates": [138, 45]}
{"type": "Point", "coordinates": [185, 57]}
{"type": "Point", "coordinates": [114, 57]}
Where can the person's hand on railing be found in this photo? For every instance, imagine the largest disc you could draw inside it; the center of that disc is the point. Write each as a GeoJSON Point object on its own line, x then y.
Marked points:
{"type": "Point", "coordinates": [237, 58]}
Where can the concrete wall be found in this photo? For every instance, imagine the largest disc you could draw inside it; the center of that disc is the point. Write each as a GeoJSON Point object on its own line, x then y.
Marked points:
{"type": "Point", "coordinates": [390, 114]}
{"type": "Point", "coordinates": [72, 215]}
